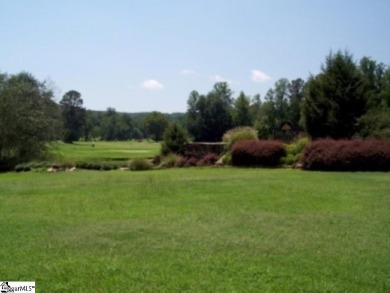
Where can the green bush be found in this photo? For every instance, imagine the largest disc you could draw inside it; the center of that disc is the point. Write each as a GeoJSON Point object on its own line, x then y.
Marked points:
{"type": "Point", "coordinates": [175, 138]}
{"type": "Point", "coordinates": [98, 165]}
{"type": "Point", "coordinates": [25, 167]}
{"type": "Point", "coordinates": [237, 134]}
{"type": "Point", "coordinates": [140, 164]}
{"type": "Point", "coordinates": [294, 151]}
{"type": "Point", "coordinates": [22, 168]}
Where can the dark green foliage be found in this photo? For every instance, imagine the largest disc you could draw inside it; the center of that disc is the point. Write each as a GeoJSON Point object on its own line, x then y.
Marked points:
{"type": "Point", "coordinates": [375, 123]}
{"type": "Point", "coordinates": [175, 138]}
{"type": "Point", "coordinates": [347, 155]}
{"type": "Point", "coordinates": [377, 79]}
{"type": "Point", "coordinates": [296, 90]}
{"type": "Point", "coordinates": [241, 112]}
{"type": "Point", "coordinates": [257, 153]}
{"type": "Point", "coordinates": [155, 125]}
{"type": "Point", "coordinates": [22, 168]}
{"type": "Point", "coordinates": [98, 165]}
{"type": "Point", "coordinates": [29, 119]}
{"type": "Point", "coordinates": [209, 117]}
{"type": "Point", "coordinates": [74, 116]}
{"type": "Point", "coordinates": [335, 98]}
{"type": "Point", "coordinates": [282, 103]}
{"type": "Point", "coordinates": [116, 126]}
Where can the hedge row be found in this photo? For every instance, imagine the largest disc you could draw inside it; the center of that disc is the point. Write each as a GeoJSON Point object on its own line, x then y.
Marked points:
{"type": "Point", "coordinates": [257, 153]}
{"type": "Point", "coordinates": [347, 155]}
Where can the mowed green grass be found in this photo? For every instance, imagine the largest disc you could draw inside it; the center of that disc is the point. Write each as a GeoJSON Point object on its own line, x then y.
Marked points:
{"type": "Point", "coordinates": [197, 230]}
{"type": "Point", "coordinates": [106, 150]}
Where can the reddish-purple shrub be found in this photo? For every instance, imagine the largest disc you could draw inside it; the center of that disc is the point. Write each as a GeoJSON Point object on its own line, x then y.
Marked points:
{"type": "Point", "coordinates": [347, 155]}
{"type": "Point", "coordinates": [208, 160]}
{"type": "Point", "coordinates": [200, 149]}
{"type": "Point", "coordinates": [257, 153]}
{"type": "Point", "coordinates": [191, 162]}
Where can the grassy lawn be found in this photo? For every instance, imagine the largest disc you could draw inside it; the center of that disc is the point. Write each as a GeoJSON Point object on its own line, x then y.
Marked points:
{"type": "Point", "coordinates": [107, 150]}
{"type": "Point", "coordinates": [197, 230]}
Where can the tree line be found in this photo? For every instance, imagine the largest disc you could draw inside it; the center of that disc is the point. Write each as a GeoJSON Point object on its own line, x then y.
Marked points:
{"type": "Point", "coordinates": [346, 99]}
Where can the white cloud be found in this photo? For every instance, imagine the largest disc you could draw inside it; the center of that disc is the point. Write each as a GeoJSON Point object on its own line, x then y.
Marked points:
{"type": "Point", "coordinates": [152, 85]}
{"type": "Point", "coordinates": [219, 78]}
{"type": "Point", "coordinates": [189, 72]}
{"type": "Point", "coordinates": [258, 76]}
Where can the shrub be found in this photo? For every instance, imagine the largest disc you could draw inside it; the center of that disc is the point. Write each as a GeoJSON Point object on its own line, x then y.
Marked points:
{"type": "Point", "coordinates": [257, 153]}
{"type": "Point", "coordinates": [375, 124]}
{"type": "Point", "coordinates": [98, 165]}
{"type": "Point", "coordinates": [208, 160]}
{"type": "Point", "coordinates": [140, 164]}
{"type": "Point", "coordinates": [175, 138]}
{"type": "Point", "coordinates": [156, 160]}
{"type": "Point", "coordinates": [199, 149]}
{"type": "Point", "coordinates": [170, 160]}
{"type": "Point", "coordinates": [22, 168]}
{"type": "Point", "coordinates": [181, 162]}
{"type": "Point", "coordinates": [294, 151]}
{"type": "Point", "coordinates": [191, 162]}
{"type": "Point", "coordinates": [347, 155]}
{"type": "Point", "coordinates": [237, 134]}
{"type": "Point", "coordinates": [25, 167]}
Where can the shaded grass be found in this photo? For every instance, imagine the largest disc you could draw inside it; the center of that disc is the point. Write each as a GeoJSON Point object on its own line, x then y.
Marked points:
{"type": "Point", "coordinates": [202, 230]}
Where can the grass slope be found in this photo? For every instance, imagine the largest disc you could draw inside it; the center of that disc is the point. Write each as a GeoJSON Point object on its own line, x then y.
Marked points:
{"type": "Point", "coordinates": [197, 230]}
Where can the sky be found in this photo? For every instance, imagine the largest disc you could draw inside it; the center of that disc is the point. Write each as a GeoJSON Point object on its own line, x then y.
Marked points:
{"type": "Point", "coordinates": [140, 56]}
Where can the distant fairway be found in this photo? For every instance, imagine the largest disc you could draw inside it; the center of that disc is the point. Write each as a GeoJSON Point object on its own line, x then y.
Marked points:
{"type": "Point", "coordinates": [104, 150]}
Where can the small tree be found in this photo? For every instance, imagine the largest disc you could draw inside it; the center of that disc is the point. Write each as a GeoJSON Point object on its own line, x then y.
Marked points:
{"type": "Point", "coordinates": [175, 138]}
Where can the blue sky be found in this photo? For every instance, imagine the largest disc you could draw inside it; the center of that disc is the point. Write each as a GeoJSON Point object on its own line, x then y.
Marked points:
{"type": "Point", "coordinates": [149, 55]}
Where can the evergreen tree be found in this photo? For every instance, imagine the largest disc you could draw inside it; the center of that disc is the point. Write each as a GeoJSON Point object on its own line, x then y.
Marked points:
{"type": "Point", "coordinates": [175, 138]}
{"type": "Point", "coordinates": [74, 116]}
{"type": "Point", "coordinates": [335, 98]}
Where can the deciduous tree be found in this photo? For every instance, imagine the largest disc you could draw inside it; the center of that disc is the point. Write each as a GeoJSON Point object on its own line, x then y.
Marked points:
{"type": "Point", "coordinates": [155, 124]}
{"type": "Point", "coordinates": [29, 118]}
